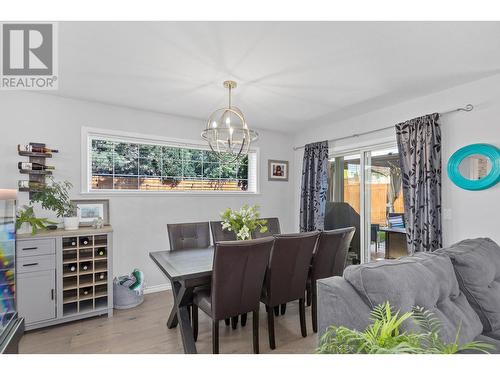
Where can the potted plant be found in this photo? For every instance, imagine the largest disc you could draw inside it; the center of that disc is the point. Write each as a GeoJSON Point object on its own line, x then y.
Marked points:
{"type": "Point", "coordinates": [243, 222]}
{"type": "Point", "coordinates": [26, 218]}
{"type": "Point", "coordinates": [55, 197]}
{"type": "Point", "coordinates": [385, 336]}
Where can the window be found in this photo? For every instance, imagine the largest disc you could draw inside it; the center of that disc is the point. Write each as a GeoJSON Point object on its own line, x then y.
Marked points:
{"type": "Point", "coordinates": [117, 164]}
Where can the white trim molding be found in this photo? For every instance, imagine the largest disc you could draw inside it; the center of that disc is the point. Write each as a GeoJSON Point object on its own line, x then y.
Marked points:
{"type": "Point", "coordinates": [88, 133]}
{"type": "Point", "coordinates": [157, 288]}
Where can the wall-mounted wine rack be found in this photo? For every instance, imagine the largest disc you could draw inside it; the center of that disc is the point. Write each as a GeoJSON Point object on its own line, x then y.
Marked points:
{"type": "Point", "coordinates": [35, 176]}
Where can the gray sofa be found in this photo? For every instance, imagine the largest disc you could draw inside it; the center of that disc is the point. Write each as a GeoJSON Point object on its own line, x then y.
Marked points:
{"type": "Point", "coordinates": [459, 284]}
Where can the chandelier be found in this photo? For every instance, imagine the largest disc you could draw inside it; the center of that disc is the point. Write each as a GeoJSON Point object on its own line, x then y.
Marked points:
{"type": "Point", "coordinates": [227, 131]}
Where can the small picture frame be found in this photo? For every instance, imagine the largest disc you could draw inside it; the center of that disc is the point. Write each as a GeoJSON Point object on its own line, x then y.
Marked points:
{"type": "Point", "coordinates": [90, 209]}
{"type": "Point", "coordinates": [277, 170]}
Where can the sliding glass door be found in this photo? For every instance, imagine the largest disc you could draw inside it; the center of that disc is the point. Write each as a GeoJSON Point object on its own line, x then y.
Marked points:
{"type": "Point", "coordinates": [384, 228]}
{"type": "Point", "coordinates": [365, 192]}
{"type": "Point", "coordinates": [344, 206]}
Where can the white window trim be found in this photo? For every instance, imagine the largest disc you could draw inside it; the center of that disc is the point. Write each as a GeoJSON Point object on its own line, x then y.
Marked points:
{"type": "Point", "coordinates": [358, 147]}
{"type": "Point", "coordinates": [362, 148]}
{"type": "Point", "coordinates": [86, 167]}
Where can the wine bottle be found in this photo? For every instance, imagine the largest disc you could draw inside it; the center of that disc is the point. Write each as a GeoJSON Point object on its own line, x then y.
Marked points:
{"type": "Point", "coordinates": [42, 150]}
{"type": "Point", "coordinates": [85, 292]}
{"type": "Point", "coordinates": [73, 242]}
{"type": "Point", "coordinates": [30, 185]}
{"type": "Point", "coordinates": [84, 241]}
{"type": "Point", "coordinates": [101, 252]}
{"type": "Point", "coordinates": [33, 166]}
{"type": "Point", "coordinates": [102, 276]}
{"type": "Point", "coordinates": [72, 267]}
{"type": "Point", "coordinates": [85, 266]}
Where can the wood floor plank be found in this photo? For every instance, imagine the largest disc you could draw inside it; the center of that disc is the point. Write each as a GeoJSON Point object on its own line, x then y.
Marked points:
{"type": "Point", "coordinates": [143, 330]}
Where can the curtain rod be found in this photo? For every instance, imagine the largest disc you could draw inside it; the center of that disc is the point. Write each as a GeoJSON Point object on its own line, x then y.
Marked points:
{"type": "Point", "coordinates": [467, 108]}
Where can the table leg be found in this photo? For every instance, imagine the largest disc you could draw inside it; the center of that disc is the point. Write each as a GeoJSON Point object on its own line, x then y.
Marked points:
{"type": "Point", "coordinates": [183, 297]}
{"type": "Point", "coordinates": [172, 318]}
{"type": "Point", "coordinates": [387, 245]}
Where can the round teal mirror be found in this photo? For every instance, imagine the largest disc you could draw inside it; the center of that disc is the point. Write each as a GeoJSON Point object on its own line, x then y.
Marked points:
{"type": "Point", "coordinates": [475, 167]}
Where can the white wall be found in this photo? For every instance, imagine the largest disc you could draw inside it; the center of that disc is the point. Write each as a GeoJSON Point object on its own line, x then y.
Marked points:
{"type": "Point", "coordinates": [139, 221]}
{"type": "Point", "coordinates": [473, 213]}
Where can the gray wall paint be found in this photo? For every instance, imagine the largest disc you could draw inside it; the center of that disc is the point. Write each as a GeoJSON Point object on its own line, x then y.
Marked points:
{"type": "Point", "coordinates": [139, 221]}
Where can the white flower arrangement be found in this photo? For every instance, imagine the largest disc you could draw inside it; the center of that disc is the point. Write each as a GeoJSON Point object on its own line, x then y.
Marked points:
{"type": "Point", "coordinates": [243, 222]}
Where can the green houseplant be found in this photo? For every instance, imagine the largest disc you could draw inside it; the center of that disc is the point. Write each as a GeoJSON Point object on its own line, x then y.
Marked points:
{"type": "Point", "coordinates": [244, 221]}
{"type": "Point", "coordinates": [385, 336]}
{"type": "Point", "coordinates": [55, 197]}
{"type": "Point", "coordinates": [26, 215]}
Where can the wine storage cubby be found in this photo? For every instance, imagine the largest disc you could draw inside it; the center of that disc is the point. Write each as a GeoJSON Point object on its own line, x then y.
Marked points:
{"type": "Point", "coordinates": [85, 273]}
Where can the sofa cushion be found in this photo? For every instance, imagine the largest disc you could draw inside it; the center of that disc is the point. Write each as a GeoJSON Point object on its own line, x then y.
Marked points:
{"type": "Point", "coordinates": [487, 340]}
{"type": "Point", "coordinates": [340, 305]}
{"type": "Point", "coordinates": [477, 266]}
{"type": "Point", "coordinates": [425, 280]}
{"type": "Point", "coordinates": [494, 335]}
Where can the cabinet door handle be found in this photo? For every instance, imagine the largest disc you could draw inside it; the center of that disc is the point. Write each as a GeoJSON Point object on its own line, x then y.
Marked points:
{"type": "Point", "coordinates": [30, 248]}
{"type": "Point", "coordinates": [30, 264]}
{"type": "Point", "coordinates": [52, 294]}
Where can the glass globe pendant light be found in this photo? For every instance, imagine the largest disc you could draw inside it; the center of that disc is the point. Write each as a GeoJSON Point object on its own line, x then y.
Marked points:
{"type": "Point", "coordinates": [227, 131]}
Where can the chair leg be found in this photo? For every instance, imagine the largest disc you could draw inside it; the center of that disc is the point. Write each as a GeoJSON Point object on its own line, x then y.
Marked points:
{"type": "Point", "coordinates": [227, 321]}
{"type": "Point", "coordinates": [243, 319]}
{"type": "Point", "coordinates": [194, 312]}
{"type": "Point", "coordinates": [255, 330]}
{"type": "Point", "coordinates": [189, 311]}
{"type": "Point", "coordinates": [215, 336]}
{"type": "Point", "coordinates": [270, 328]}
{"type": "Point", "coordinates": [314, 308]}
{"type": "Point", "coordinates": [277, 310]}
{"type": "Point", "coordinates": [234, 321]}
{"type": "Point", "coordinates": [308, 294]}
{"type": "Point", "coordinates": [283, 308]}
{"type": "Point", "coordinates": [302, 313]}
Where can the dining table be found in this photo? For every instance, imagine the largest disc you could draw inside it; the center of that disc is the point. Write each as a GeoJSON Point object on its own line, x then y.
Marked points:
{"type": "Point", "coordinates": [395, 242]}
{"type": "Point", "coordinates": [186, 269]}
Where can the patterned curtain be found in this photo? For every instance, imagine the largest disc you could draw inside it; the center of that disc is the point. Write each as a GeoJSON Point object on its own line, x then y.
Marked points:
{"type": "Point", "coordinates": [314, 187]}
{"type": "Point", "coordinates": [419, 144]}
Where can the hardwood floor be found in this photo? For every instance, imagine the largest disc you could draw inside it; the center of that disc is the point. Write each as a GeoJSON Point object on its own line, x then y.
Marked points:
{"type": "Point", "coordinates": [143, 330]}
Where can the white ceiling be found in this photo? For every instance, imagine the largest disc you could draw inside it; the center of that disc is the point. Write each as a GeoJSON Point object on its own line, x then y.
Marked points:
{"type": "Point", "coordinates": [290, 74]}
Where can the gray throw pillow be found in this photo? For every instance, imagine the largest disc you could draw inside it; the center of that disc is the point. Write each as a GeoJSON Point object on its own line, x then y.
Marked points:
{"type": "Point", "coordinates": [425, 280]}
{"type": "Point", "coordinates": [477, 266]}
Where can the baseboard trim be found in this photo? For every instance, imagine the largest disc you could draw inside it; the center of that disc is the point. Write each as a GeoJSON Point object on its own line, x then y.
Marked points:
{"type": "Point", "coordinates": [157, 288]}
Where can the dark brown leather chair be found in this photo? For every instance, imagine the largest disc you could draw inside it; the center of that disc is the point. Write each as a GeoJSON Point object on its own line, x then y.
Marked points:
{"type": "Point", "coordinates": [340, 215]}
{"type": "Point", "coordinates": [328, 260]}
{"type": "Point", "coordinates": [237, 278]}
{"type": "Point", "coordinates": [286, 275]}
{"type": "Point", "coordinates": [188, 235]}
{"type": "Point", "coordinates": [219, 234]}
{"type": "Point", "coordinates": [273, 227]}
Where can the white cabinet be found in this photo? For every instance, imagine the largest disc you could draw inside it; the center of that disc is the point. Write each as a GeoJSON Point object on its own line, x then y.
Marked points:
{"type": "Point", "coordinates": [64, 275]}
